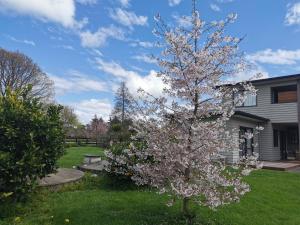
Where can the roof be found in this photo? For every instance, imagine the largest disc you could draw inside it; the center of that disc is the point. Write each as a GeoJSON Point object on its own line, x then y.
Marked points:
{"type": "Point", "coordinates": [292, 77]}
{"type": "Point", "coordinates": [250, 116]}
{"type": "Point", "coordinates": [280, 78]}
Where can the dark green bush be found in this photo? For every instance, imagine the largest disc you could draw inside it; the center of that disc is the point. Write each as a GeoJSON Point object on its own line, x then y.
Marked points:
{"type": "Point", "coordinates": [31, 141]}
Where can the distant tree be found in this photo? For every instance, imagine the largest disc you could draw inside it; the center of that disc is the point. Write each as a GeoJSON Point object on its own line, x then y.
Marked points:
{"type": "Point", "coordinates": [17, 71]}
{"type": "Point", "coordinates": [123, 103]}
{"type": "Point", "coordinates": [97, 128]}
{"type": "Point", "coordinates": [70, 120]}
{"type": "Point", "coordinates": [80, 131]}
{"type": "Point", "coordinates": [118, 132]}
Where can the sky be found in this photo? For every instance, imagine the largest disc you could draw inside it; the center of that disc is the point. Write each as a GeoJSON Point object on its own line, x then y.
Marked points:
{"type": "Point", "coordinates": [87, 47]}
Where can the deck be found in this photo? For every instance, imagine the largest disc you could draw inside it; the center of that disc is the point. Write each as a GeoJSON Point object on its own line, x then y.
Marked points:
{"type": "Point", "coordinates": [281, 165]}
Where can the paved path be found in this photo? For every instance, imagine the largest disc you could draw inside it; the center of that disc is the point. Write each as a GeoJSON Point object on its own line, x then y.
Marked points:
{"type": "Point", "coordinates": [63, 176]}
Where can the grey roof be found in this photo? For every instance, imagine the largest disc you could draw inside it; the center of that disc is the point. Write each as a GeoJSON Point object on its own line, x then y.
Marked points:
{"type": "Point", "coordinates": [251, 116]}
{"type": "Point", "coordinates": [280, 78]}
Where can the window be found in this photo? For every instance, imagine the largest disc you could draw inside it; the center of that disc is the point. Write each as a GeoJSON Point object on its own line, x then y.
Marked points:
{"type": "Point", "coordinates": [250, 99]}
{"type": "Point", "coordinates": [284, 94]}
{"type": "Point", "coordinates": [275, 137]}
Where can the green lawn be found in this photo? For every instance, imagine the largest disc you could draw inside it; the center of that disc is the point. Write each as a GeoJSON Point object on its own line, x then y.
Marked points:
{"type": "Point", "coordinates": [274, 199]}
{"type": "Point", "coordinates": [74, 156]}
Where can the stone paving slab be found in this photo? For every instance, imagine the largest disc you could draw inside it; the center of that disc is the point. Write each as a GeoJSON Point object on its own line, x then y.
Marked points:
{"type": "Point", "coordinates": [93, 167]}
{"type": "Point", "coordinates": [62, 176]}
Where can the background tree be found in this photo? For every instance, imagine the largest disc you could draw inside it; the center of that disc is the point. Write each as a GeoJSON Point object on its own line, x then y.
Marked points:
{"type": "Point", "coordinates": [97, 129]}
{"type": "Point", "coordinates": [185, 129]}
{"type": "Point", "coordinates": [123, 103]}
{"type": "Point", "coordinates": [70, 121]}
{"type": "Point", "coordinates": [17, 71]}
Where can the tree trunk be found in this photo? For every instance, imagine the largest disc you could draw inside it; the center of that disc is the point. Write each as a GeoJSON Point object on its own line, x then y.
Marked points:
{"type": "Point", "coordinates": [123, 105]}
{"type": "Point", "coordinates": [185, 206]}
{"type": "Point", "coordinates": [186, 211]}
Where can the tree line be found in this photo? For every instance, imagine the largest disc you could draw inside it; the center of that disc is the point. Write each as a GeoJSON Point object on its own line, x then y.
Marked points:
{"type": "Point", "coordinates": [99, 130]}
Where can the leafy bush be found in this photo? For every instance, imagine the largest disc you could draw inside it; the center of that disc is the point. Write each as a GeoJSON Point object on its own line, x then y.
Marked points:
{"type": "Point", "coordinates": [31, 141]}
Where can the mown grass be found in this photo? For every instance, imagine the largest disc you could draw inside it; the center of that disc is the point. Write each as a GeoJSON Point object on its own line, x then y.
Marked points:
{"type": "Point", "coordinates": [74, 156]}
{"type": "Point", "coordinates": [274, 200]}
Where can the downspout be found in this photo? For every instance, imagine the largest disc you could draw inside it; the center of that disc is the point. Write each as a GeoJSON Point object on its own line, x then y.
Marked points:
{"type": "Point", "coordinates": [258, 136]}
{"type": "Point", "coordinates": [298, 108]}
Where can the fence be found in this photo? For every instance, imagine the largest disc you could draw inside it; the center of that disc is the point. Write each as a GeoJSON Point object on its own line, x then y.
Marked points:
{"type": "Point", "coordinates": [79, 141]}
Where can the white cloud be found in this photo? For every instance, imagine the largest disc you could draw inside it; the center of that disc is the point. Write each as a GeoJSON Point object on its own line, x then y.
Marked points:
{"type": "Point", "coordinates": [145, 58]}
{"type": "Point", "coordinates": [215, 7]}
{"type": "Point", "coordinates": [96, 52]}
{"type": "Point", "coordinates": [76, 81]}
{"type": "Point", "coordinates": [67, 47]}
{"type": "Point", "coordinates": [86, 109]}
{"type": "Point", "coordinates": [174, 2]}
{"type": "Point", "coordinates": [99, 38]}
{"type": "Point", "coordinates": [144, 44]}
{"type": "Point", "coordinates": [114, 69]}
{"type": "Point", "coordinates": [27, 42]}
{"type": "Point", "coordinates": [251, 73]}
{"type": "Point", "coordinates": [183, 21]}
{"type": "Point", "coordinates": [125, 3]}
{"type": "Point", "coordinates": [224, 1]}
{"type": "Point", "coordinates": [293, 14]}
{"type": "Point", "coordinates": [128, 18]}
{"type": "Point", "coordinates": [150, 83]}
{"type": "Point", "coordinates": [87, 2]}
{"type": "Point", "coordinates": [62, 11]}
{"type": "Point", "coordinates": [279, 57]}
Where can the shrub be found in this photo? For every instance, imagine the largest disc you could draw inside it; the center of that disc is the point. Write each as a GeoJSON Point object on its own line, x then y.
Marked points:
{"type": "Point", "coordinates": [31, 141]}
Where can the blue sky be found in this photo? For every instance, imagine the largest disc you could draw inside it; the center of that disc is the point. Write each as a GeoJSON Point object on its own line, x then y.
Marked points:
{"type": "Point", "coordinates": [88, 46]}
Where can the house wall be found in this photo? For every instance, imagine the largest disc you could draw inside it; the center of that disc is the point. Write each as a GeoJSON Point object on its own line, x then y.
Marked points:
{"type": "Point", "coordinates": [234, 124]}
{"type": "Point", "coordinates": [277, 113]}
{"type": "Point", "coordinates": [268, 151]}
{"type": "Point", "coordinates": [263, 141]}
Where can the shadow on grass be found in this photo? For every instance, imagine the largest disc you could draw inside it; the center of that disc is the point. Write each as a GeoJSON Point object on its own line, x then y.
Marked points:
{"type": "Point", "coordinates": [103, 182]}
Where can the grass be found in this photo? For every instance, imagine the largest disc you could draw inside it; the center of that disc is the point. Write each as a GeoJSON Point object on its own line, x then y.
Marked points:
{"type": "Point", "coordinates": [74, 156]}
{"type": "Point", "coordinates": [274, 199]}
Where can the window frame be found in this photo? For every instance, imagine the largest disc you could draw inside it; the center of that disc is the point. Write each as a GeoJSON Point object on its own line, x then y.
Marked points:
{"type": "Point", "coordinates": [275, 138]}
{"type": "Point", "coordinates": [283, 88]}
{"type": "Point", "coordinates": [243, 105]}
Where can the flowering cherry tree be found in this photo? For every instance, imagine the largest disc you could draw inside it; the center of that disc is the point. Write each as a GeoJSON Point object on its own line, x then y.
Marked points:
{"type": "Point", "coordinates": [97, 128]}
{"type": "Point", "coordinates": [185, 129]}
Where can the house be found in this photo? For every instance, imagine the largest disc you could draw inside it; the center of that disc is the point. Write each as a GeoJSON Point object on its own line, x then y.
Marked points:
{"type": "Point", "coordinates": [276, 107]}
